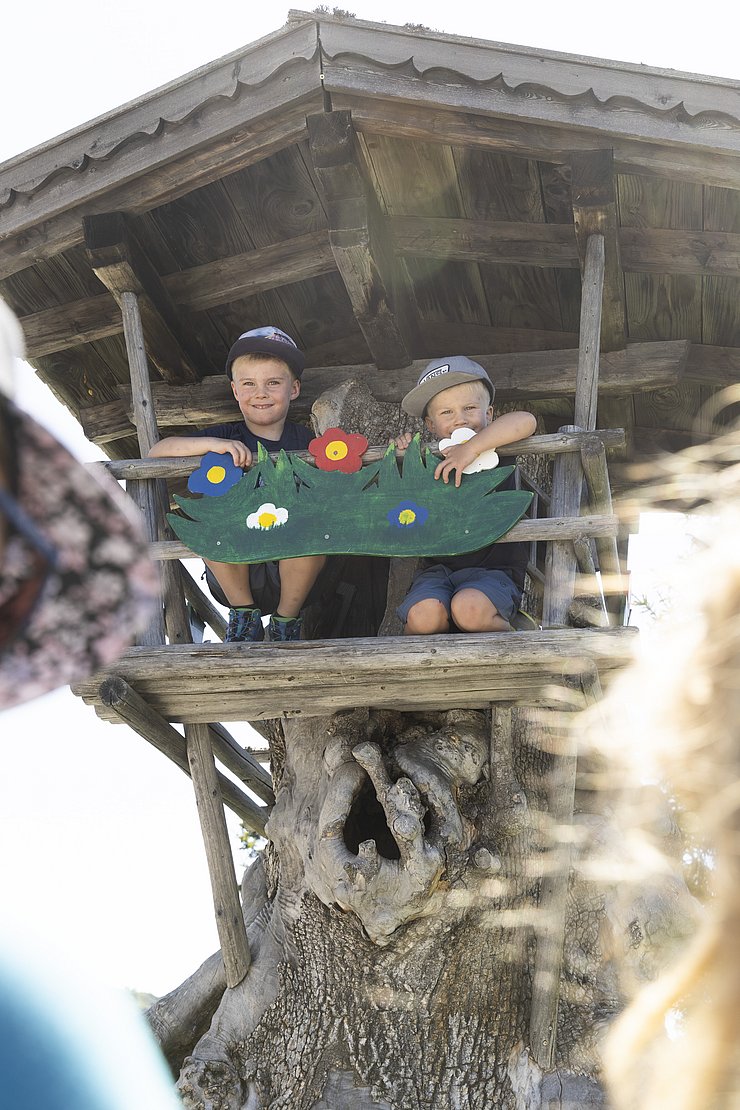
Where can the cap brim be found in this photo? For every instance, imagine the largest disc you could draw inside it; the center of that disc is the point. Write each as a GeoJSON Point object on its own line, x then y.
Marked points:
{"type": "Point", "coordinates": [102, 588]}
{"type": "Point", "coordinates": [272, 347]}
{"type": "Point", "coordinates": [416, 401]}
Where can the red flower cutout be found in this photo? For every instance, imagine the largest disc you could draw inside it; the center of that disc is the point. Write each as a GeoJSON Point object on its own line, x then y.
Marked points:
{"type": "Point", "coordinates": [338, 450]}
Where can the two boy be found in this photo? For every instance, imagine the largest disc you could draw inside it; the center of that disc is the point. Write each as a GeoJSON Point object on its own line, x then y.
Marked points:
{"type": "Point", "coordinates": [479, 592]}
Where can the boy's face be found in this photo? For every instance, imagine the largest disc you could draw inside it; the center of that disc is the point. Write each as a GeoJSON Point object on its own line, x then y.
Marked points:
{"type": "Point", "coordinates": [264, 388]}
{"type": "Point", "coordinates": [461, 406]}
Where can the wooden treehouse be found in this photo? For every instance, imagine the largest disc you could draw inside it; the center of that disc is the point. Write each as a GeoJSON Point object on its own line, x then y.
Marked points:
{"type": "Point", "coordinates": [386, 196]}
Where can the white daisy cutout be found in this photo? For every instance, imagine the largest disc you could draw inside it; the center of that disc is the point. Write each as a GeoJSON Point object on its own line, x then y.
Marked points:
{"type": "Point", "coordinates": [487, 460]}
{"type": "Point", "coordinates": [267, 516]}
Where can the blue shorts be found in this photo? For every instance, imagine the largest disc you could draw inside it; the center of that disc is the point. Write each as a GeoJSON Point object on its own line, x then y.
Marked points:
{"type": "Point", "coordinates": [442, 584]}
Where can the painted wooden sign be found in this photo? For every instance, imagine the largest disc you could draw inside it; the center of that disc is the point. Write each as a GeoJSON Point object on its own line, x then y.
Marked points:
{"type": "Point", "coordinates": [289, 508]}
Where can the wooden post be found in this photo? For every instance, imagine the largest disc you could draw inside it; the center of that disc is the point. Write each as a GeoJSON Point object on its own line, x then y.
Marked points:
{"type": "Point", "coordinates": [143, 493]}
{"type": "Point", "coordinates": [587, 373]}
{"type": "Point", "coordinates": [154, 500]}
{"type": "Point", "coordinates": [560, 562]}
{"type": "Point", "coordinates": [614, 582]}
{"type": "Point", "coordinates": [229, 918]}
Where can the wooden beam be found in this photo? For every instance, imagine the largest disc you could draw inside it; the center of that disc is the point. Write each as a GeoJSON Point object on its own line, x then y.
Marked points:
{"type": "Point", "coordinates": [592, 296]}
{"type": "Point", "coordinates": [358, 237]}
{"type": "Point", "coordinates": [229, 918]}
{"type": "Point", "coordinates": [122, 266]}
{"type": "Point", "coordinates": [498, 242]}
{"type": "Point", "coordinates": [241, 763]}
{"type": "Point", "coordinates": [560, 560]}
{"type": "Point", "coordinates": [409, 117]}
{"type": "Point", "coordinates": [713, 365]}
{"type": "Point", "coordinates": [518, 376]}
{"type": "Point", "coordinates": [247, 275]}
{"type": "Point", "coordinates": [653, 250]}
{"type": "Point", "coordinates": [227, 279]}
{"type": "Point", "coordinates": [189, 682]}
{"type": "Point", "coordinates": [556, 443]}
{"type": "Point", "coordinates": [201, 604]}
{"type": "Point", "coordinates": [595, 213]}
{"type": "Point", "coordinates": [151, 496]}
{"type": "Point", "coordinates": [614, 579]}
{"type": "Point", "coordinates": [559, 529]}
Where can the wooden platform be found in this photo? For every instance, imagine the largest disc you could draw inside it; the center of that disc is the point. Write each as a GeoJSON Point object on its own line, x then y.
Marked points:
{"type": "Point", "coordinates": [234, 682]}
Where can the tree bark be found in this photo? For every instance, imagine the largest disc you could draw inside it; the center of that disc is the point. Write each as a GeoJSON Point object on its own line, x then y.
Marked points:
{"type": "Point", "coordinates": [392, 923]}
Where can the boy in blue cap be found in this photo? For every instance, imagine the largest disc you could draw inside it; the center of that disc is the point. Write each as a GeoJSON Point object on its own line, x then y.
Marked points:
{"type": "Point", "coordinates": [264, 367]}
{"type": "Point", "coordinates": [479, 591]}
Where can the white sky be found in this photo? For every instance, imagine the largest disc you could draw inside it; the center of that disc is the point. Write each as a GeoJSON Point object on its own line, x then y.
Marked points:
{"type": "Point", "coordinates": [99, 841]}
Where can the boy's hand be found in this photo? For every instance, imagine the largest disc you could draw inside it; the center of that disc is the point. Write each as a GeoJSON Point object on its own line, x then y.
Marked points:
{"type": "Point", "coordinates": [402, 442]}
{"type": "Point", "coordinates": [455, 460]}
{"type": "Point", "coordinates": [239, 451]}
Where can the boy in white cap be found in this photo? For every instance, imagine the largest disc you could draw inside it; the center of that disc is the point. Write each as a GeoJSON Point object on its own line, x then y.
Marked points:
{"type": "Point", "coordinates": [264, 367]}
{"type": "Point", "coordinates": [479, 591]}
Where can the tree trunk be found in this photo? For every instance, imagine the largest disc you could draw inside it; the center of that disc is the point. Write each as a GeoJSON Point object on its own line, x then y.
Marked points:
{"type": "Point", "coordinates": [392, 924]}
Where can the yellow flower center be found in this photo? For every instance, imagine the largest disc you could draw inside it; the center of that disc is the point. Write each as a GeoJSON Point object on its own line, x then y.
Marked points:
{"type": "Point", "coordinates": [216, 474]}
{"type": "Point", "coordinates": [337, 449]}
{"type": "Point", "coordinates": [406, 516]}
{"type": "Point", "coordinates": [266, 520]}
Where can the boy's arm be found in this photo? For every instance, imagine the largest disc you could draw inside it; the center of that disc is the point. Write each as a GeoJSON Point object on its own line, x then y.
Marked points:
{"type": "Point", "coordinates": [179, 446]}
{"type": "Point", "coordinates": [508, 428]}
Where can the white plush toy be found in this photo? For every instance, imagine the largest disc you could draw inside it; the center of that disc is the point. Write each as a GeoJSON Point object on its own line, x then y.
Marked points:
{"type": "Point", "coordinates": [487, 460]}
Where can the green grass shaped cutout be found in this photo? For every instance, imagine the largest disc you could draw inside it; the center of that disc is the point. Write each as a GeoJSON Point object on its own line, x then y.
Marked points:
{"type": "Point", "coordinates": [330, 513]}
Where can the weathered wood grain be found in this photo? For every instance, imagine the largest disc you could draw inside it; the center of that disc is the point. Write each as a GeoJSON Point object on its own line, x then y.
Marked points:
{"type": "Point", "coordinates": [176, 620]}
{"type": "Point", "coordinates": [123, 267]}
{"type": "Point", "coordinates": [229, 920]}
{"type": "Point", "coordinates": [509, 243]}
{"type": "Point", "coordinates": [595, 213]}
{"type": "Point", "coordinates": [517, 375]}
{"type": "Point", "coordinates": [548, 143]}
{"type": "Point", "coordinates": [614, 581]}
{"type": "Point", "coordinates": [358, 237]}
{"type": "Point", "coordinates": [258, 681]}
{"type": "Point", "coordinates": [241, 762]}
{"type": "Point", "coordinates": [592, 298]}
{"type": "Point", "coordinates": [560, 561]}
{"type": "Point", "coordinates": [554, 444]}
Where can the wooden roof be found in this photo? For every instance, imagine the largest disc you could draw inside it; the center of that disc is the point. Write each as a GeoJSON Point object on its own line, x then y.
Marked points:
{"type": "Point", "coordinates": [388, 195]}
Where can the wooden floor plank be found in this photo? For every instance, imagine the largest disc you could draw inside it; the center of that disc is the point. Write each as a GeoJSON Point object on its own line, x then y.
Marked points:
{"type": "Point", "coordinates": [232, 682]}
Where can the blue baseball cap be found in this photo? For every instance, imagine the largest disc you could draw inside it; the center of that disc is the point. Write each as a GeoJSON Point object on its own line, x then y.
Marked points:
{"type": "Point", "coordinates": [267, 341]}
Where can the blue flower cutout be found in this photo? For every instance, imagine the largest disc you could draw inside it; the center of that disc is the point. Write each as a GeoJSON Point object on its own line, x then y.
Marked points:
{"type": "Point", "coordinates": [407, 514]}
{"type": "Point", "coordinates": [215, 476]}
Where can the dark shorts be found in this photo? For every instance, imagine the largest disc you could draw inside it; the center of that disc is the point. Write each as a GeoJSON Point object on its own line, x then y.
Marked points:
{"type": "Point", "coordinates": [264, 582]}
{"type": "Point", "coordinates": [442, 584]}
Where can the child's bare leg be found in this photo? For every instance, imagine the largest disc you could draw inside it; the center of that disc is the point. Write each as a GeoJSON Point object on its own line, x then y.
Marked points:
{"type": "Point", "coordinates": [233, 578]}
{"type": "Point", "coordinates": [473, 612]}
{"type": "Point", "coordinates": [297, 576]}
{"type": "Point", "coordinates": [426, 618]}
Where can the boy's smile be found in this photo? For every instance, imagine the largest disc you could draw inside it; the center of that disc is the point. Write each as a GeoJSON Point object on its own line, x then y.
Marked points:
{"type": "Point", "coordinates": [461, 406]}
{"type": "Point", "coordinates": [263, 389]}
